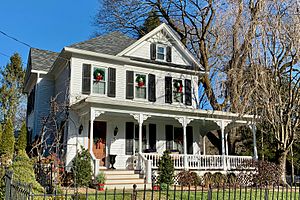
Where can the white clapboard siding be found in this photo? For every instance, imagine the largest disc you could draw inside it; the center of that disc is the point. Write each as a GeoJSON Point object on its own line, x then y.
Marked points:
{"type": "Point", "coordinates": [143, 49]}
{"type": "Point", "coordinates": [44, 92]}
{"type": "Point", "coordinates": [62, 85]}
{"type": "Point", "coordinates": [76, 80]}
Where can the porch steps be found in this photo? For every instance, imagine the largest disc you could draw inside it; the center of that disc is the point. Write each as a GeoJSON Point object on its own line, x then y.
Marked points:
{"type": "Point", "coordinates": [120, 179]}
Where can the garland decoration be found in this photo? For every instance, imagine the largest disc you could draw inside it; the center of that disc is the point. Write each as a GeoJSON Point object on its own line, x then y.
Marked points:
{"type": "Point", "coordinates": [99, 74]}
{"type": "Point", "coordinates": [178, 86]}
{"type": "Point", "coordinates": [140, 80]}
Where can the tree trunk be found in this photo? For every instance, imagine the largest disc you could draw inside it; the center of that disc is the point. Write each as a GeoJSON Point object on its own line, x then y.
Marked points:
{"type": "Point", "coordinates": [281, 160]}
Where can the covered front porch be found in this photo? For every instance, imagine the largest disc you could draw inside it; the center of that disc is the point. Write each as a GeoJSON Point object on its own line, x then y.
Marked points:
{"type": "Point", "coordinates": [140, 136]}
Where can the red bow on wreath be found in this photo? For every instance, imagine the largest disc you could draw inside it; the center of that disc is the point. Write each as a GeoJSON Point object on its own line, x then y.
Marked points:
{"type": "Point", "coordinates": [99, 77]}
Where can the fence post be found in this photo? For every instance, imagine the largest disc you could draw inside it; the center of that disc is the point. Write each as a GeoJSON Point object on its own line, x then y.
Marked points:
{"type": "Point", "coordinates": [30, 192]}
{"type": "Point", "coordinates": [8, 182]}
{"type": "Point", "coordinates": [134, 192]}
{"type": "Point", "coordinates": [209, 193]}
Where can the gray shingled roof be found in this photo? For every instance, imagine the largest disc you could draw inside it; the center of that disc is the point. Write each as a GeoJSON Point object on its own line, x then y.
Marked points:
{"type": "Point", "coordinates": [112, 44]}
{"type": "Point", "coordinates": [42, 59]}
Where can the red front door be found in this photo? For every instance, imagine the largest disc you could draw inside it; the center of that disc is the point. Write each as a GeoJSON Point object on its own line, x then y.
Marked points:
{"type": "Point", "coordinates": [99, 146]}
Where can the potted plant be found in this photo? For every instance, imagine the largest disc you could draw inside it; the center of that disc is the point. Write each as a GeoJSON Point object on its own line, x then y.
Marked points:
{"type": "Point", "coordinates": [100, 178]}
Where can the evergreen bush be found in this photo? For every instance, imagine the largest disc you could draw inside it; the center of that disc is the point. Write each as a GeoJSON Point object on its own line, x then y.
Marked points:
{"type": "Point", "coordinates": [23, 171]}
{"type": "Point", "coordinates": [166, 169]}
{"type": "Point", "coordinates": [82, 168]}
{"type": "Point", "coordinates": [22, 138]}
{"type": "Point", "coordinates": [7, 142]}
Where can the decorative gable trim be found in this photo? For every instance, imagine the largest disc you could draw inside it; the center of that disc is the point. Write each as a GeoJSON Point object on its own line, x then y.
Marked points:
{"type": "Point", "coordinates": [173, 35]}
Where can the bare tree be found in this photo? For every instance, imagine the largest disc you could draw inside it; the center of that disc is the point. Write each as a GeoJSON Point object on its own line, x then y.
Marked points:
{"type": "Point", "coordinates": [275, 69]}
{"type": "Point", "coordinates": [219, 33]}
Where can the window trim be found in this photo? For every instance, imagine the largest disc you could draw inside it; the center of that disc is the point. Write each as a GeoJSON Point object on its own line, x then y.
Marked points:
{"type": "Point", "coordinates": [165, 52]}
{"type": "Point", "coordinates": [106, 79]}
{"type": "Point", "coordinates": [146, 86]}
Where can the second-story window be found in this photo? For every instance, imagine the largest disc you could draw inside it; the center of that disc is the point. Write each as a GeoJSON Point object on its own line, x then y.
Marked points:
{"type": "Point", "coordinates": [140, 86]}
{"type": "Point", "coordinates": [99, 80]}
{"type": "Point", "coordinates": [177, 91]}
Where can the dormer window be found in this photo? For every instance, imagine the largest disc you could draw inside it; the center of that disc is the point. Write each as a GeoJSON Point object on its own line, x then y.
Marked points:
{"type": "Point", "coordinates": [161, 52]}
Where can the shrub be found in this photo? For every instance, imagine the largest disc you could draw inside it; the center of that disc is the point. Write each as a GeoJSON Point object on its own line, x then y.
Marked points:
{"type": "Point", "coordinates": [231, 178]}
{"type": "Point", "coordinates": [163, 186]}
{"type": "Point", "coordinates": [219, 179]}
{"type": "Point", "coordinates": [100, 178]}
{"type": "Point", "coordinates": [186, 178]}
{"type": "Point", "coordinates": [166, 169]}
{"type": "Point", "coordinates": [208, 179]}
{"type": "Point", "coordinates": [263, 173]}
{"type": "Point", "coordinates": [22, 138]}
{"type": "Point", "coordinates": [23, 171]}
{"type": "Point", "coordinates": [7, 141]}
{"type": "Point", "coordinates": [82, 168]}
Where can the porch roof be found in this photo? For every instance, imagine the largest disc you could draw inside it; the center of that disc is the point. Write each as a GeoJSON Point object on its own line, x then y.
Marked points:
{"type": "Point", "coordinates": [128, 106]}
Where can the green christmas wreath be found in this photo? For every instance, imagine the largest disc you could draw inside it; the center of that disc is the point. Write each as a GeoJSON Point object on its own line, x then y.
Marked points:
{"type": "Point", "coordinates": [178, 86]}
{"type": "Point", "coordinates": [99, 74]}
{"type": "Point", "coordinates": [140, 80]}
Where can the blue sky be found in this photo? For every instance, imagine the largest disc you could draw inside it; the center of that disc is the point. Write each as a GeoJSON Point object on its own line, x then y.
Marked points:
{"type": "Point", "coordinates": [49, 25]}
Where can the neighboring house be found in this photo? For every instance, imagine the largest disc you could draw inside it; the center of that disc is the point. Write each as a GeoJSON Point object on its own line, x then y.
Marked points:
{"type": "Point", "coordinates": [130, 98]}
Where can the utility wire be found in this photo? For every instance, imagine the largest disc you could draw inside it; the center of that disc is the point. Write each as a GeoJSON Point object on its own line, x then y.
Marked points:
{"type": "Point", "coordinates": [24, 43]}
{"type": "Point", "coordinates": [13, 38]}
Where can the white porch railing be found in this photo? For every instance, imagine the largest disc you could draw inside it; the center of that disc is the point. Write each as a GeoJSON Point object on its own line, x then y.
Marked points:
{"type": "Point", "coordinates": [200, 162]}
{"type": "Point", "coordinates": [146, 167]}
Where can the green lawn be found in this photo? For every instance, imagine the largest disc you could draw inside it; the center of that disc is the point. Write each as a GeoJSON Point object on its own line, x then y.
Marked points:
{"type": "Point", "coordinates": [185, 195]}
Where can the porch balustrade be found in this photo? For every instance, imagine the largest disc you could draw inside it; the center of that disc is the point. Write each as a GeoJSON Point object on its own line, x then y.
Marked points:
{"type": "Point", "coordinates": [200, 162]}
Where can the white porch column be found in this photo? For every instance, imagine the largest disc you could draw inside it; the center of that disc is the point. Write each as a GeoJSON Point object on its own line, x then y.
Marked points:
{"type": "Point", "coordinates": [184, 122]}
{"type": "Point", "coordinates": [253, 128]}
{"type": "Point", "coordinates": [140, 119]}
{"type": "Point", "coordinates": [226, 143]}
{"type": "Point", "coordinates": [226, 148]}
{"type": "Point", "coordinates": [93, 115]}
{"type": "Point", "coordinates": [222, 124]}
{"type": "Point", "coordinates": [204, 146]}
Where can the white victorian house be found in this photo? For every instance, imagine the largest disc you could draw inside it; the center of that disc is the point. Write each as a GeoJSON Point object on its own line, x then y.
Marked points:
{"type": "Point", "coordinates": [129, 98]}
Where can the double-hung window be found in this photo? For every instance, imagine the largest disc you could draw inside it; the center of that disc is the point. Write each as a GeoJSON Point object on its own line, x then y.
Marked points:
{"type": "Point", "coordinates": [161, 52]}
{"type": "Point", "coordinates": [178, 90]}
{"type": "Point", "coordinates": [99, 80]}
{"type": "Point", "coordinates": [140, 86]}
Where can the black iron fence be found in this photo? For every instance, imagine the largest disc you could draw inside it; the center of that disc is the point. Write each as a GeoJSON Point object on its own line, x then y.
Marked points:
{"type": "Point", "coordinates": [21, 191]}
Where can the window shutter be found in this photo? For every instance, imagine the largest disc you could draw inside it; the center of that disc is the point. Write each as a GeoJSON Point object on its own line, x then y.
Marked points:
{"type": "Point", "coordinates": [153, 51]}
{"type": "Point", "coordinates": [86, 79]}
{"type": "Point", "coordinates": [129, 138]}
{"type": "Point", "coordinates": [189, 139]}
{"type": "Point", "coordinates": [168, 89]}
{"type": "Point", "coordinates": [151, 88]}
{"type": "Point", "coordinates": [129, 85]}
{"type": "Point", "coordinates": [188, 92]}
{"type": "Point", "coordinates": [111, 82]}
{"type": "Point", "coordinates": [169, 54]}
{"type": "Point", "coordinates": [169, 137]}
{"type": "Point", "coordinates": [152, 136]}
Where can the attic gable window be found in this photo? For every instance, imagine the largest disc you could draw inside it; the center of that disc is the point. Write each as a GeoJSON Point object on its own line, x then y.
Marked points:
{"type": "Point", "coordinates": [161, 52]}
